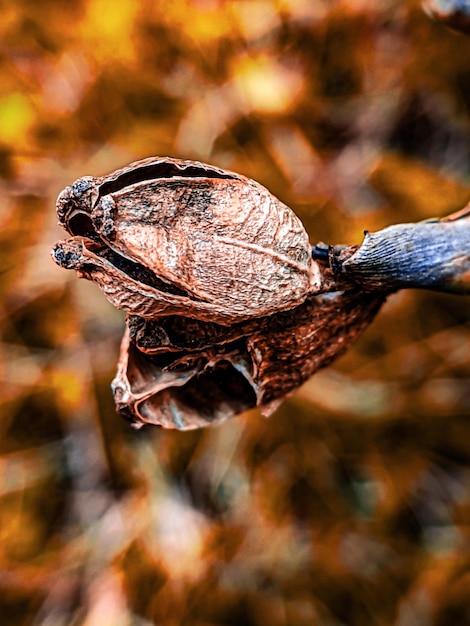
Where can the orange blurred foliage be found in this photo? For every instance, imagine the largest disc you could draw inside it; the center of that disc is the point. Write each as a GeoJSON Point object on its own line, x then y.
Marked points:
{"type": "Point", "coordinates": [350, 505]}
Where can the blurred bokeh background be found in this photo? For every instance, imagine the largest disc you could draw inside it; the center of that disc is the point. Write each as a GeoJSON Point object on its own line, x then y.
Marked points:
{"type": "Point", "coordinates": [351, 504]}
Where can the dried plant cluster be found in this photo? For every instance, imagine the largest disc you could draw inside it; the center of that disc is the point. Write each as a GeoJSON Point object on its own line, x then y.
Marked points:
{"type": "Point", "coordinates": [227, 309]}
{"type": "Point", "coordinates": [349, 505]}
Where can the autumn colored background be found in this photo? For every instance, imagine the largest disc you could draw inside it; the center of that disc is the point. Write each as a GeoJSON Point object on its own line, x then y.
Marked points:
{"type": "Point", "coordinates": [351, 504]}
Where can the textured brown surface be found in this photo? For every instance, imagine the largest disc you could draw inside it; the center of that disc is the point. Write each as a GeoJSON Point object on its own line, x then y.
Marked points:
{"type": "Point", "coordinates": [165, 236]}
{"type": "Point", "coordinates": [203, 373]}
{"type": "Point", "coordinates": [349, 505]}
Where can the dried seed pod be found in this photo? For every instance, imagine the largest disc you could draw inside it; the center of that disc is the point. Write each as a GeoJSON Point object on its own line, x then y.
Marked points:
{"type": "Point", "coordinates": [228, 309]}
{"type": "Point", "coordinates": [169, 237]}
{"type": "Point", "coordinates": [181, 373]}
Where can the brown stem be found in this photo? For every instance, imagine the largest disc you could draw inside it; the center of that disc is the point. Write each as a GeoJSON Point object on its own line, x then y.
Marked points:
{"type": "Point", "coordinates": [434, 254]}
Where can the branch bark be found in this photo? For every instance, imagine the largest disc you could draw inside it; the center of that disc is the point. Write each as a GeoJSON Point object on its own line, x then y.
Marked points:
{"type": "Point", "coordinates": [434, 254]}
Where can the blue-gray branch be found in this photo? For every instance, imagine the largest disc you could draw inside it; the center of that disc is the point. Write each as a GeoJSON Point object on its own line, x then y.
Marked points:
{"type": "Point", "coordinates": [434, 254]}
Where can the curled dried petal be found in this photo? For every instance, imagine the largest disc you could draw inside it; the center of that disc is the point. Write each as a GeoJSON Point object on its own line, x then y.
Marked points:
{"type": "Point", "coordinates": [167, 377]}
{"type": "Point", "coordinates": [164, 236]}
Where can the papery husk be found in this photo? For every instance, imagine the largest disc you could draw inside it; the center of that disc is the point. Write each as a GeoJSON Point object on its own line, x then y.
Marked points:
{"type": "Point", "coordinates": [203, 374]}
{"type": "Point", "coordinates": [165, 236]}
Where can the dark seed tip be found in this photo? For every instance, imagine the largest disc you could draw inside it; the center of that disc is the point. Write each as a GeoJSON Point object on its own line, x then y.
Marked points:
{"type": "Point", "coordinates": [67, 259]}
{"type": "Point", "coordinates": [81, 186]}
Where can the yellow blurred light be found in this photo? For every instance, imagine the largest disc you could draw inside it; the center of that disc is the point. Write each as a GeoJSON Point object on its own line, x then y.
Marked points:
{"type": "Point", "coordinates": [305, 9]}
{"type": "Point", "coordinates": [204, 21]}
{"type": "Point", "coordinates": [107, 28]}
{"type": "Point", "coordinates": [267, 86]}
{"type": "Point", "coordinates": [69, 389]}
{"type": "Point", "coordinates": [257, 19]}
{"type": "Point", "coordinates": [209, 25]}
{"type": "Point", "coordinates": [16, 118]}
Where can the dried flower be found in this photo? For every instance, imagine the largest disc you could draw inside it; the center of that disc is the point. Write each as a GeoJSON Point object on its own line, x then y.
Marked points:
{"type": "Point", "coordinates": [227, 308]}
{"type": "Point", "coordinates": [164, 236]}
